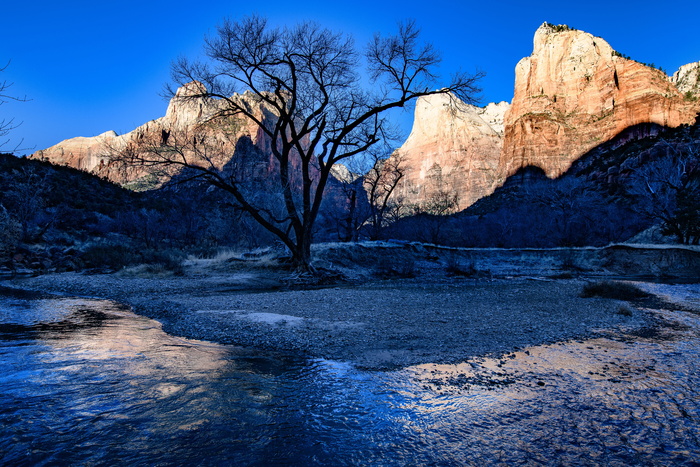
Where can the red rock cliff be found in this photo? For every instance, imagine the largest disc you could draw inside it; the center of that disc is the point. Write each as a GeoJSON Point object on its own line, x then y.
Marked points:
{"type": "Point", "coordinates": [575, 92]}
{"type": "Point", "coordinates": [183, 115]}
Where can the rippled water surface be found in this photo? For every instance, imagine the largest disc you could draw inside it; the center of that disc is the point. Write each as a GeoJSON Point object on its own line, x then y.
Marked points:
{"type": "Point", "coordinates": [88, 382]}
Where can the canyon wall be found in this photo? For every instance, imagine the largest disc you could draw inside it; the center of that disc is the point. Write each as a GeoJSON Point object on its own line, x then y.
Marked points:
{"type": "Point", "coordinates": [573, 93]}
{"type": "Point", "coordinates": [453, 147]}
{"type": "Point", "coordinates": [240, 144]}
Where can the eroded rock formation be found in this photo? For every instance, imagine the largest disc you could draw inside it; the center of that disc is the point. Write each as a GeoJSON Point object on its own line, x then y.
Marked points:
{"type": "Point", "coordinates": [575, 92]}
{"type": "Point", "coordinates": [687, 79]}
{"type": "Point", "coordinates": [185, 118]}
{"type": "Point", "coordinates": [572, 94]}
{"type": "Point", "coordinates": [453, 146]}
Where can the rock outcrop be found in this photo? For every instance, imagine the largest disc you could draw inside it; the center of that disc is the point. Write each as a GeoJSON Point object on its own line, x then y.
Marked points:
{"type": "Point", "coordinates": [184, 117]}
{"type": "Point", "coordinates": [687, 80]}
{"type": "Point", "coordinates": [575, 92]}
{"type": "Point", "coordinates": [453, 146]}
{"type": "Point", "coordinates": [572, 94]}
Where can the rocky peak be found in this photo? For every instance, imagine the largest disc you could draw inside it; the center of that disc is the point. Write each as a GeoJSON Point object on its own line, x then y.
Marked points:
{"type": "Point", "coordinates": [185, 112]}
{"type": "Point", "coordinates": [687, 79]}
{"type": "Point", "coordinates": [571, 94]}
{"type": "Point", "coordinates": [575, 92]}
{"type": "Point", "coordinates": [185, 108]}
{"type": "Point", "coordinates": [458, 141]}
{"type": "Point", "coordinates": [494, 114]}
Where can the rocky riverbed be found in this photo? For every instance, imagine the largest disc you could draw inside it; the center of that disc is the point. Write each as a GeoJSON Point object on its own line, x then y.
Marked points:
{"type": "Point", "coordinates": [381, 324]}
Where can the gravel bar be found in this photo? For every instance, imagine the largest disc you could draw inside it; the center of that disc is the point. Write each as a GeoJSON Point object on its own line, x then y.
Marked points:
{"type": "Point", "coordinates": [380, 325]}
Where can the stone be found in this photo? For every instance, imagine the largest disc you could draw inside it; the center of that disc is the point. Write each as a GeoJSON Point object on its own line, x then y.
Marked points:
{"type": "Point", "coordinates": [186, 115]}
{"type": "Point", "coordinates": [572, 94]}
{"type": "Point", "coordinates": [687, 80]}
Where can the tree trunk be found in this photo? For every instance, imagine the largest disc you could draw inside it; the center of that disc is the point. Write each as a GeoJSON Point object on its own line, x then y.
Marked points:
{"type": "Point", "coordinates": [301, 255]}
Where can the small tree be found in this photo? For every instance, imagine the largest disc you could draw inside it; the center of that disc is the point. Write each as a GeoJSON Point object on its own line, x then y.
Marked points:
{"type": "Point", "coordinates": [380, 183]}
{"type": "Point", "coordinates": [26, 201]}
{"type": "Point", "coordinates": [350, 212]}
{"type": "Point", "coordinates": [10, 234]}
{"type": "Point", "coordinates": [318, 108]}
{"type": "Point", "coordinates": [6, 125]}
{"type": "Point", "coordinates": [668, 191]}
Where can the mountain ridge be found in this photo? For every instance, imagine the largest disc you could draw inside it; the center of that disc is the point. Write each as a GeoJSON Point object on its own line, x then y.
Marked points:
{"type": "Point", "coordinates": [571, 94]}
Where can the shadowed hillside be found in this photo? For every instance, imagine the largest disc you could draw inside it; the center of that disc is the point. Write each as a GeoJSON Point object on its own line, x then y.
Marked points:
{"type": "Point", "coordinates": [646, 176]}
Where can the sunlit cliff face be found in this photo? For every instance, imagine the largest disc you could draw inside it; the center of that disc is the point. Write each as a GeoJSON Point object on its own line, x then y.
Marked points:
{"type": "Point", "coordinates": [575, 92]}
{"type": "Point", "coordinates": [572, 94]}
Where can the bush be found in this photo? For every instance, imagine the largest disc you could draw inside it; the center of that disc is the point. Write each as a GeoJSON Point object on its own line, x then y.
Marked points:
{"type": "Point", "coordinates": [10, 234]}
{"type": "Point", "coordinates": [614, 290]}
{"type": "Point", "coordinates": [455, 268]}
{"type": "Point", "coordinates": [164, 260]}
{"type": "Point", "coordinates": [119, 256]}
{"type": "Point", "coordinates": [405, 269]}
{"type": "Point", "coordinates": [624, 310]}
{"type": "Point", "coordinates": [110, 256]}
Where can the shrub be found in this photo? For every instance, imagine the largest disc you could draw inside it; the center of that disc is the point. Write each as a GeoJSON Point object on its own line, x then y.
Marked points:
{"type": "Point", "coordinates": [167, 260]}
{"type": "Point", "coordinates": [10, 234]}
{"type": "Point", "coordinates": [614, 290]}
{"type": "Point", "coordinates": [455, 268]}
{"type": "Point", "coordinates": [398, 270]}
{"type": "Point", "coordinates": [118, 256]}
{"type": "Point", "coordinates": [111, 256]}
{"type": "Point", "coordinates": [624, 310]}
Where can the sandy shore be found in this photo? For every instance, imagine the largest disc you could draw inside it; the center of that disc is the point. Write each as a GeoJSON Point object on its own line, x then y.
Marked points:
{"type": "Point", "coordinates": [378, 325]}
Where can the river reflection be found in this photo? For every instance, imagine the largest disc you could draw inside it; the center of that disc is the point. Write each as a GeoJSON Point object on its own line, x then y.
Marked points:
{"type": "Point", "coordinates": [88, 382]}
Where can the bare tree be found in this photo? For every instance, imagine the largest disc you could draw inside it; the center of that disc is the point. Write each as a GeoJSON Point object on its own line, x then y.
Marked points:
{"type": "Point", "coordinates": [380, 184]}
{"type": "Point", "coordinates": [668, 191]}
{"type": "Point", "coordinates": [7, 125]}
{"type": "Point", "coordinates": [352, 211]}
{"type": "Point", "coordinates": [370, 206]}
{"type": "Point", "coordinates": [26, 202]}
{"type": "Point", "coordinates": [319, 108]}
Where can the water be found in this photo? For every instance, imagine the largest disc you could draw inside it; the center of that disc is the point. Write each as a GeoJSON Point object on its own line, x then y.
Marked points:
{"type": "Point", "coordinates": [88, 382]}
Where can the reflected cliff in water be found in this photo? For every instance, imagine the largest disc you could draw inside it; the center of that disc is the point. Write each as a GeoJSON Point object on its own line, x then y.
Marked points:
{"type": "Point", "coordinates": [87, 381]}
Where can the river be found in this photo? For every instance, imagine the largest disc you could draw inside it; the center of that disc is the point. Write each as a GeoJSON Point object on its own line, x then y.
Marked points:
{"type": "Point", "coordinates": [88, 382]}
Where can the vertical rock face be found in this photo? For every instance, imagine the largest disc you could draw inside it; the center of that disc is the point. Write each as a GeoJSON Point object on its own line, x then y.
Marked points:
{"type": "Point", "coordinates": [183, 116]}
{"type": "Point", "coordinates": [453, 146]}
{"type": "Point", "coordinates": [575, 92]}
{"type": "Point", "coordinates": [572, 94]}
{"type": "Point", "coordinates": [687, 80]}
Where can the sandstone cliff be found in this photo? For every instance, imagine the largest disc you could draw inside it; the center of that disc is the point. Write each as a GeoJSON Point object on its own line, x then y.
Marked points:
{"type": "Point", "coordinates": [687, 79]}
{"type": "Point", "coordinates": [182, 117]}
{"type": "Point", "coordinates": [572, 94]}
{"type": "Point", "coordinates": [453, 147]}
{"type": "Point", "coordinates": [575, 92]}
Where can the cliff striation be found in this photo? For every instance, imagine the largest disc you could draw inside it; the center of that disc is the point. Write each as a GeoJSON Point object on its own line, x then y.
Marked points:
{"type": "Point", "coordinates": [572, 94]}
{"type": "Point", "coordinates": [575, 92]}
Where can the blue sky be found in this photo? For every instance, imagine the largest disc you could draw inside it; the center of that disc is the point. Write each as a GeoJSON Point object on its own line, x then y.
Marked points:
{"type": "Point", "coordinates": [89, 67]}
